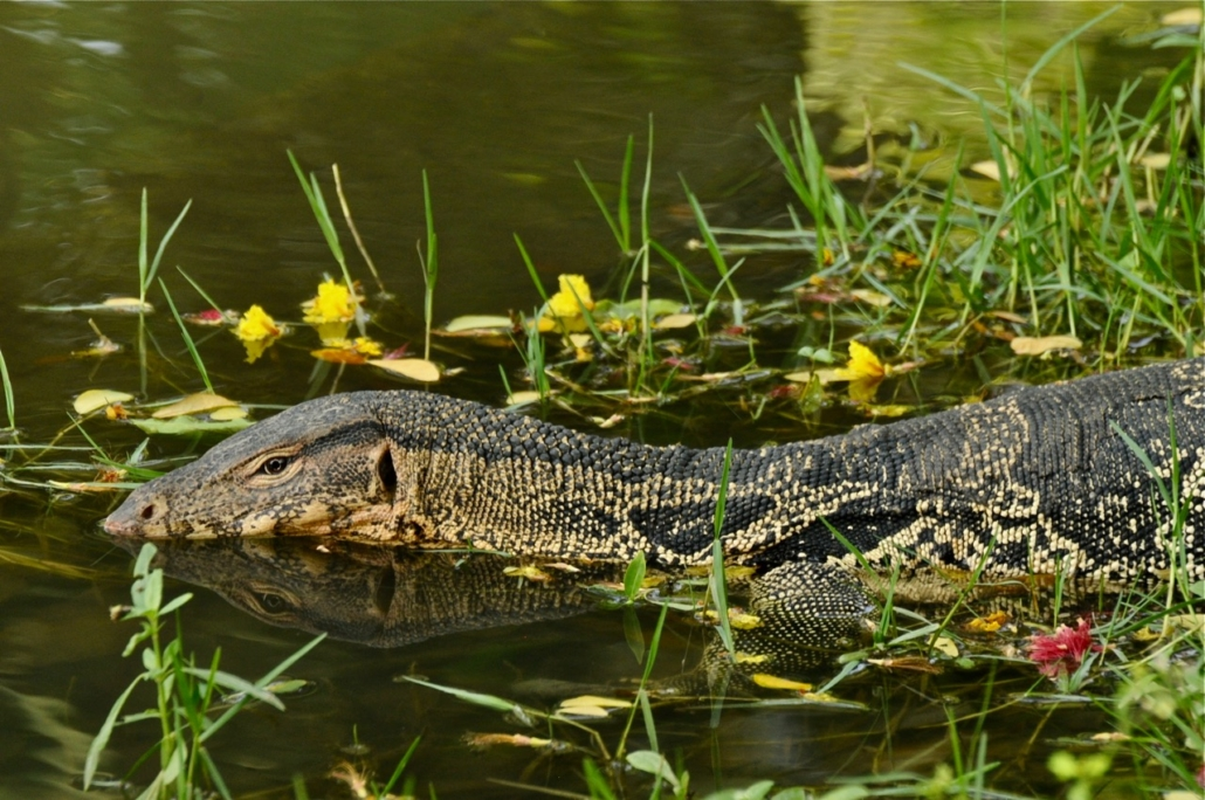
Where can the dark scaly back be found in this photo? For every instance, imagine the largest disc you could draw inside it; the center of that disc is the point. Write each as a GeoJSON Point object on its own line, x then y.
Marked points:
{"type": "Point", "coordinates": [1039, 476]}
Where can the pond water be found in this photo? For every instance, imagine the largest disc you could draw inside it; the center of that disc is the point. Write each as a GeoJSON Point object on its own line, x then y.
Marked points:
{"type": "Point", "coordinates": [496, 102]}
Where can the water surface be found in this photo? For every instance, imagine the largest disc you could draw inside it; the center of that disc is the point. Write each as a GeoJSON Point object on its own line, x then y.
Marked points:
{"type": "Point", "coordinates": [496, 102]}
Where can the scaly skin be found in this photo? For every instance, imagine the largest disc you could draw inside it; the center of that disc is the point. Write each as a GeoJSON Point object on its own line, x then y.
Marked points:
{"type": "Point", "coordinates": [1036, 482]}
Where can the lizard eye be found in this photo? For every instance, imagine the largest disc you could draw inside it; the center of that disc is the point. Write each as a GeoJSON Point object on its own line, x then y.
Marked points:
{"type": "Point", "coordinates": [271, 602]}
{"type": "Point", "coordinates": [273, 466]}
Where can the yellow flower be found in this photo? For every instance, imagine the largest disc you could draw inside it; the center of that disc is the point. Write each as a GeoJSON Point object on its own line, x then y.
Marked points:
{"type": "Point", "coordinates": [331, 333]}
{"type": "Point", "coordinates": [362, 345]}
{"type": "Point", "coordinates": [334, 303]}
{"type": "Point", "coordinates": [367, 347]}
{"type": "Point", "coordinates": [864, 372]}
{"type": "Point", "coordinates": [346, 351]}
{"type": "Point", "coordinates": [863, 365]}
{"type": "Point", "coordinates": [568, 307]}
{"type": "Point", "coordinates": [257, 331]}
{"type": "Point", "coordinates": [256, 324]}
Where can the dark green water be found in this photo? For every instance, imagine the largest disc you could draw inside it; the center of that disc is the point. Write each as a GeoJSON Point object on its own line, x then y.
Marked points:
{"type": "Point", "coordinates": [495, 101]}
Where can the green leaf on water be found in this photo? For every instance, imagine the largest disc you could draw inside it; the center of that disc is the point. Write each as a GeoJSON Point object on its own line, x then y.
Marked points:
{"type": "Point", "coordinates": [634, 577]}
{"type": "Point", "coordinates": [654, 764]}
{"type": "Point", "coordinates": [187, 426]}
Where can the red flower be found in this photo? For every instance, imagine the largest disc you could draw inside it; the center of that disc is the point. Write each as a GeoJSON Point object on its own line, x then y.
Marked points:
{"type": "Point", "coordinates": [1061, 652]}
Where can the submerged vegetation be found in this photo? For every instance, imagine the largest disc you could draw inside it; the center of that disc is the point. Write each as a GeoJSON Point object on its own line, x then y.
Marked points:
{"type": "Point", "coordinates": [1072, 245]}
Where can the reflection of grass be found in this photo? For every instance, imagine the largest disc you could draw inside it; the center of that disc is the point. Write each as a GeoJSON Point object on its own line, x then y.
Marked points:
{"type": "Point", "coordinates": [147, 270]}
{"type": "Point", "coordinates": [10, 403]}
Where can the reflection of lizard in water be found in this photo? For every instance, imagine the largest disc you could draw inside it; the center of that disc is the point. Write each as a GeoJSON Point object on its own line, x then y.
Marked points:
{"type": "Point", "coordinates": [385, 596]}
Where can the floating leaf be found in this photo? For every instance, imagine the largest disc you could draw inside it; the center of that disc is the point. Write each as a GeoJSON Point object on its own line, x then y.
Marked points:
{"type": "Point", "coordinates": [946, 646]}
{"type": "Point", "coordinates": [988, 169]}
{"type": "Point", "coordinates": [212, 318]}
{"type": "Point", "coordinates": [114, 305]}
{"type": "Point", "coordinates": [824, 376]}
{"type": "Point", "coordinates": [339, 355]}
{"type": "Point", "coordinates": [96, 399]}
{"type": "Point", "coordinates": [593, 712]}
{"type": "Point", "coordinates": [1156, 160]}
{"type": "Point", "coordinates": [481, 741]}
{"type": "Point", "coordinates": [523, 398]}
{"type": "Point", "coordinates": [871, 297]}
{"type": "Point", "coordinates": [82, 487]}
{"type": "Point", "coordinates": [103, 346]}
{"type": "Point", "coordinates": [654, 764]}
{"type": "Point", "coordinates": [187, 426]}
{"type": "Point", "coordinates": [767, 681]}
{"type": "Point", "coordinates": [1182, 16]}
{"type": "Point", "coordinates": [228, 413]}
{"type": "Point", "coordinates": [528, 571]}
{"type": "Point", "coordinates": [893, 410]}
{"type": "Point", "coordinates": [1037, 345]}
{"type": "Point", "coordinates": [198, 403]}
{"type": "Point", "coordinates": [416, 369]}
{"type": "Point", "coordinates": [907, 664]}
{"type": "Point", "coordinates": [473, 323]}
{"type": "Point", "coordinates": [595, 700]}
{"type": "Point", "coordinates": [673, 321]}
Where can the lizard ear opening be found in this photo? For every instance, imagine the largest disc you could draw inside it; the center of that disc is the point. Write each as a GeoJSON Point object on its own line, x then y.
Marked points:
{"type": "Point", "coordinates": [387, 474]}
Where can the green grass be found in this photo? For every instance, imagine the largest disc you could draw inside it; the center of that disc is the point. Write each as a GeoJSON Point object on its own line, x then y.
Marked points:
{"type": "Point", "coordinates": [189, 705]}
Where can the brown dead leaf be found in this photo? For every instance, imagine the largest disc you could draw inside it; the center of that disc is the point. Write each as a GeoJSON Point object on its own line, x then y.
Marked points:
{"type": "Point", "coordinates": [907, 664]}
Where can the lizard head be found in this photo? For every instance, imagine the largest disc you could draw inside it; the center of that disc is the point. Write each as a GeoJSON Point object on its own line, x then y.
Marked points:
{"type": "Point", "coordinates": [321, 467]}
